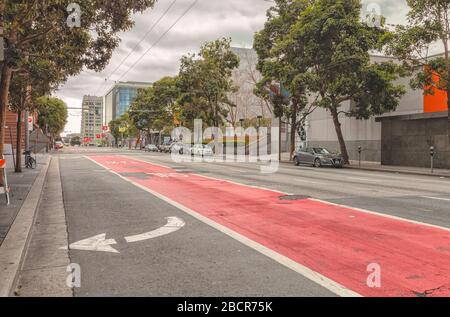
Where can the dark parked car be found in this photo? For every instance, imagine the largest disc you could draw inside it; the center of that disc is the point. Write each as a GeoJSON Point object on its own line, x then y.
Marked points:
{"type": "Point", "coordinates": [318, 157]}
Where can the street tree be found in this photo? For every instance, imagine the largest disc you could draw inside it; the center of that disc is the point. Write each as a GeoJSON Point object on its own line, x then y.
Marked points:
{"type": "Point", "coordinates": [26, 87]}
{"type": "Point", "coordinates": [123, 128]}
{"type": "Point", "coordinates": [67, 40]}
{"type": "Point", "coordinates": [52, 116]}
{"type": "Point", "coordinates": [155, 107]}
{"type": "Point", "coordinates": [205, 82]}
{"type": "Point", "coordinates": [331, 46]}
{"type": "Point", "coordinates": [75, 141]}
{"type": "Point", "coordinates": [116, 132]}
{"type": "Point", "coordinates": [22, 99]}
{"type": "Point", "coordinates": [278, 71]}
{"type": "Point", "coordinates": [428, 24]}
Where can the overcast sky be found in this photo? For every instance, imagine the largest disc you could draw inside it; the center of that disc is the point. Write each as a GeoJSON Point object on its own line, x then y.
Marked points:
{"type": "Point", "coordinates": [208, 20]}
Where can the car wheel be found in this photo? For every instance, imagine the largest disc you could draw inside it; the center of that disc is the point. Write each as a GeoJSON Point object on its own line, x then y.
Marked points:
{"type": "Point", "coordinates": [317, 163]}
{"type": "Point", "coordinates": [297, 161]}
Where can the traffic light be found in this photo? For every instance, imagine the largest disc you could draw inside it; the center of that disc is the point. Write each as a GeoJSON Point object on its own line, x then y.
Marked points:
{"type": "Point", "coordinates": [432, 151]}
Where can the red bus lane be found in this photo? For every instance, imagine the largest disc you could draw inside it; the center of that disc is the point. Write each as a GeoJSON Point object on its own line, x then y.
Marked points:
{"type": "Point", "coordinates": [337, 242]}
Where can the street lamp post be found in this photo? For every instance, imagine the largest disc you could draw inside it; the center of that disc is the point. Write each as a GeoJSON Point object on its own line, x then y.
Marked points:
{"type": "Point", "coordinates": [258, 132]}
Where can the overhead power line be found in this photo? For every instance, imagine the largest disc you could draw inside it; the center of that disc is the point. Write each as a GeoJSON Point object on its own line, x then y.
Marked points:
{"type": "Point", "coordinates": [160, 38]}
{"type": "Point", "coordinates": [150, 30]}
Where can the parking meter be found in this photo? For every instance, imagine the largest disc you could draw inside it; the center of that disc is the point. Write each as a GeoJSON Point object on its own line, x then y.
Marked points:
{"type": "Point", "coordinates": [359, 154]}
{"type": "Point", "coordinates": [432, 153]}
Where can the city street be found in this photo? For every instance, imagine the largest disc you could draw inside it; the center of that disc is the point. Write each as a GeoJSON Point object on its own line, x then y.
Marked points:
{"type": "Point", "coordinates": [225, 229]}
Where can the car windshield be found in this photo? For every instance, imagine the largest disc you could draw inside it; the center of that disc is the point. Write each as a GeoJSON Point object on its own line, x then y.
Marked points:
{"type": "Point", "coordinates": [321, 151]}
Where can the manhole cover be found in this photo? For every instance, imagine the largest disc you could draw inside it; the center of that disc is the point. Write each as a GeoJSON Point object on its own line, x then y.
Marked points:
{"type": "Point", "coordinates": [136, 175]}
{"type": "Point", "coordinates": [294, 197]}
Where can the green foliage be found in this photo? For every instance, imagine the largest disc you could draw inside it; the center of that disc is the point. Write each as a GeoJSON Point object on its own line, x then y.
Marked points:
{"type": "Point", "coordinates": [321, 48]}
{"type": "Point", "coordinates": [428, 24]}
{"type": "Point", "coordinates": [271, 62]}
{"type": "Point", "coordinates": [123, 127]}
{"type": "Point", "coordinates": [43, 48]}
{"type": "Point", "coordinates": [37, 32]}
{"type": "Point", "coordinates": [52, 115]}
{"type": "Point", "coordinates": [205, 82]}
{"type": "Point", "coordinates": [154, 107]}
{"type": "Point", "coordinates": [75, 141]}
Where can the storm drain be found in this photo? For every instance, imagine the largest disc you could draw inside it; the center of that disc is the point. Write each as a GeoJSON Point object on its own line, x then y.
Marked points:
{"type": "Point", "coordinates": [294, 197]}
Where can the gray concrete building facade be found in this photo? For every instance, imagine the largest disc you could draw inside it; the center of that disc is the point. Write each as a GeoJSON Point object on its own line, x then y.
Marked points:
{"type": "Point", "coordinates": [92, 120]}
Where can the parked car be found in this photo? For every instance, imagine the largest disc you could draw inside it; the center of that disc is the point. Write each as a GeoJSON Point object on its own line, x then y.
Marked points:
{"type": "Point", "coordinates": [318, 157]}
{"type": "Point", "coordinates": [151, 148]}
{"type": "Point", "coordinates": [201, 150]}
{"type": "Point", "coordinates": [165, 148]}
{"type": "Point", "coordinates": [177, 148]}
{"type": "Point", "coordinates": [59, 145]}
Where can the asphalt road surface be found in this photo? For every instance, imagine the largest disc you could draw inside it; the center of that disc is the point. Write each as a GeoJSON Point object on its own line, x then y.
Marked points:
{"type": "Point", "coordinates": [298, 232]}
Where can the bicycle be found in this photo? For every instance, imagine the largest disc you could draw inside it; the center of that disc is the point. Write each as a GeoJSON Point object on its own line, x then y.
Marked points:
{"type": "Point", "coordinates": [30, 162]}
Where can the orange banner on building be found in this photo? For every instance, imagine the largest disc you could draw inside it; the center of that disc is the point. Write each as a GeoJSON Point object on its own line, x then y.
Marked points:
{"type": "Point", "coordinates": [436, 102]}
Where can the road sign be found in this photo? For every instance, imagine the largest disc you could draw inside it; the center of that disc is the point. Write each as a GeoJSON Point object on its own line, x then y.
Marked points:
{"type": "Point", "coordinates": [30, 123]}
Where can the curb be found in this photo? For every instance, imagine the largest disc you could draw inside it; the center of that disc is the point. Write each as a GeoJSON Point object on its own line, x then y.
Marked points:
{"type": "Point", "coordinates": [354, 167]}
{"type": "Point", "coordinates": [13, 247]}
{"type": "Point", "coordinates": [398, 171]}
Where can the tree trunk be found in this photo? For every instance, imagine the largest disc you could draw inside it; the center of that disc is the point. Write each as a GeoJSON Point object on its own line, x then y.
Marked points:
{"type": "Point", "coordinates": [19, 143]}
{"type": "Point", "coordinates": [4, 101]}
{"type": "Point", "coordinates": [338, 127]}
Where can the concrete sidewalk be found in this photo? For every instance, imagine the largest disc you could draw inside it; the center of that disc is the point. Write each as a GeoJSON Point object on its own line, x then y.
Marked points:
{"type": "Point", "coordinates": [17, 221]}
{"type": "Point", "coordinates": [377, 167]}
{"type": "Point", "coordinates": [20, 185]}
{"type": "Point", "coordinates": [43, 272]}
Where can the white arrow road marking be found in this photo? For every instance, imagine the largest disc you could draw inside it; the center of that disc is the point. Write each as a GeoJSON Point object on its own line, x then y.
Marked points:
{"type": "Point", "coordinates": [173, 224]}
{"type": "Point", "coordinates": [97, 243]}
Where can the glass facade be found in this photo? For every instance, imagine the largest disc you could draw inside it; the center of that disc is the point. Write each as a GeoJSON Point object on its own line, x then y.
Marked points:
{"type": "Point", "coordinates": [119, 99]}
{"type": "Point", "coordinates": [125, 96]}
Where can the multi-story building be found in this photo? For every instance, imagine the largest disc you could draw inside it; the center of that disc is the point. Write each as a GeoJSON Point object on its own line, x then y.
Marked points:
{"type": "Point", "coordinates": [119, 98]}
{"type": "Point", "coordinates": [248, 105]}
{"type": "Point", "coordinates": [92, 120]}
{"type": "Point", "coordinates": [401, 137]}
